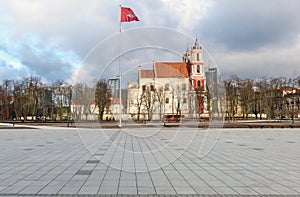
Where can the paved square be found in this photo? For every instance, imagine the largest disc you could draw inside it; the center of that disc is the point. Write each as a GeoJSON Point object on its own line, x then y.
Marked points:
{"type": "Point", "coordinates": [142, 161]}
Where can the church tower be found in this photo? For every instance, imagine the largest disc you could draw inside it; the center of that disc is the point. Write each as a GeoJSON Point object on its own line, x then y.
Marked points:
{"type": "Point", "coordinates": [195, 65]}
{"type": "Point", "coordinates": [197, 73]}
{"type": "Point", "coordinates": [187, 56]}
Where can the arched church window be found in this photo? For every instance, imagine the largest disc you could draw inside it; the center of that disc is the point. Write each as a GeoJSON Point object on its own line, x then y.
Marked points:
{"type": "Point", "coordinates": [167, 100]}
{"type": "Point", "coordinates": [167, 86]}
{"type": "Point", "coordinates": [198, 68]}
{"type": "Point", "coordinates": [152, 88]}
{"type": "Point", "coordinates": [198, 83]}
{"type": "Point", "coordinates": [198, 57]}
{"type": "Point", "coordinates": [183, 86]}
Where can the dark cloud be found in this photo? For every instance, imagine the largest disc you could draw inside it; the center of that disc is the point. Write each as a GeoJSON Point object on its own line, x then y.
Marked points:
{"type": "Point", "coordinates": [251, 24]}
{"type": "Point", "coordinates": [36, 58]}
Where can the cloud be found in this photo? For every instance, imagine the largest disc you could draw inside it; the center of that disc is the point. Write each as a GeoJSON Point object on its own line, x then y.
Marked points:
{"type": "Point", "coordinates": [140, 46]}
{"type": "Point", "coordinates": [275, 62]}
{"type": "Point", "coordinates": [74, 25]}
{"type": "Point", "coordinates": [188, 13]}
{"type": "Point", "coordinates": [253, 38]}
{"type": "Point", "coordinates": [251, 24]}
{"type": "Point", "coordinates": [30, 56]}
{"type": "Point", "coordinates": [50, 38]}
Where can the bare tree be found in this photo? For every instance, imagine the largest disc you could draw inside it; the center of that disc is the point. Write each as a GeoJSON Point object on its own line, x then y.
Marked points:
{"type": "Point", "coordinates": [77, 106]}
{"type": "Point", "coordinates": [102, 97]}
{"type": "Point", "coordinates": [231, 87]}
{"type": "Point", "coordinates": [6, 99]}
{"type": "Point", "coordinates": [82, 100]}
{"type": "Point", "coordinates": [138, 103]}
{"type": "Point", "coordinates": [62, 95]}
{"type": "Point", "coordinates": [148, 99]}
{"type": "Point", "coordinates": [246, 93]}
{"type": "Point", "coordinates": [18, 100]}
{"type": "Point", "coordinates": [160, 99]}
{"type": "Point", "coordinates": [180, 95]}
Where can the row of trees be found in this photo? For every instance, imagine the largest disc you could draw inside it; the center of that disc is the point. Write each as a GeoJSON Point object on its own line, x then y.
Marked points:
{"type": "Point", "coordinates": [265, 98]}
{"type": "Point", "coordinates": [30, 98]}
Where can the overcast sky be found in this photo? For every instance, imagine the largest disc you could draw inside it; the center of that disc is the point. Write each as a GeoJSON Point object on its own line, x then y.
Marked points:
{"type": "Point", "coordinates": [53, 38]}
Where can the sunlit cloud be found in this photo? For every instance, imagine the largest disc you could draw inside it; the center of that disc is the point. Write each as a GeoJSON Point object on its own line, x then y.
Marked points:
{"type": "Point", "coordinates": [188, 12]}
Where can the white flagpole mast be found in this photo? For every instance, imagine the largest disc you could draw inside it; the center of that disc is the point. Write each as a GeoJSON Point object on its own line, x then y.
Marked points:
{"type": "Point", "coordinates": [120, 72]}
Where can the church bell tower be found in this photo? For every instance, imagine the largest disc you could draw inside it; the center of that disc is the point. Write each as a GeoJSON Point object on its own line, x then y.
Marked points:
{"type": "Point", "coordinates": [197, 73]}
{"type": "Point", "coordinates": [195, 64]}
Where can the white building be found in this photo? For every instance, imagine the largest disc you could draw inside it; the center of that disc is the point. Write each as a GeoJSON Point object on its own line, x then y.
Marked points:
{"type": "Point", "coordinates": [170, 88]}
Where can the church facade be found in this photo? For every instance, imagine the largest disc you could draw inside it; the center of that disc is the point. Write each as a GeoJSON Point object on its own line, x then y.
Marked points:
{"type": "Point", "coordinates": [170, 88]}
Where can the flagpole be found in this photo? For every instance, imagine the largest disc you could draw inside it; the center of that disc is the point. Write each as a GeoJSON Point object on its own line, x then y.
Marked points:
{"type": "Point", "coordinates": [127, 16]}
{"type": "Point", "coordinates": [120, 74]}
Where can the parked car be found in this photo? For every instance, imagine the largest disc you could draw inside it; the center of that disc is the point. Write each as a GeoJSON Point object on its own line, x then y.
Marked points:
{"type": "Point", "coordinates": [173, 120]}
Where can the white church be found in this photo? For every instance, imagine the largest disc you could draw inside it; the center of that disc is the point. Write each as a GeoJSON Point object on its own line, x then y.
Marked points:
{"type": "Point", "coordinates": [170, 88]}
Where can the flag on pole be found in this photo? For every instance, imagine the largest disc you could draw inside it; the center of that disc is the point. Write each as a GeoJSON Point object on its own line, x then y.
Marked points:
{"type": "Point", "coordinates": [127, 15]}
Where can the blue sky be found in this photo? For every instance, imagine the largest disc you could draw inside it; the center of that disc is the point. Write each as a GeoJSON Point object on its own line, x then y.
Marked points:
{"type": "Point", "coordinates": [51, 38]}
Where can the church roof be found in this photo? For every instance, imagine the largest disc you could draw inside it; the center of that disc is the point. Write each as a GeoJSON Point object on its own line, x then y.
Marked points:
{"type": "Point", "coordinates": [171, 69]}
{"type": "Point", "coordinates": [147, 74]}
{"type": "Point", "coordinates": [166, 70]}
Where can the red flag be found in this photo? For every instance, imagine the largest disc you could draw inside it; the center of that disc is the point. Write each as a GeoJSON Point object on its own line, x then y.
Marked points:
{"type": "Point", "coordinates": [127, 15]}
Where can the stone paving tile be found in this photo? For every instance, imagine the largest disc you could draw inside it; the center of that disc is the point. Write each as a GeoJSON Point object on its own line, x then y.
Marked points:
{"type": "Point", "coordinates": [184, 190]}
{"type": "Point", "coordinates": [13, 189]}
{"type": "Point", "coordinates": [89, 189]}
{"type": "Point", "coordinates": [146, 190]}
{"type": "Point", "coordinates": [224, 190]}
{"type": "Point", "coordinates": [30, 190]}
{"type": "Point", "coordinates": [165, 190]}
{"type": "Point", "coordinates": [127, 176]}
{"type": "Point", "coordinates": [285, 190]}
{"type": "Point", "coordinates": [127, 183]}
{"type": "Point", "coordinates": [297, 189]}
{"type": "Point", "coordinates": [51, 189]}
{"type": "Point", "coordinates": [108, 190]}
{"type": "Point", "coordinates": [179, 183]}
{"type": "Point", "coordinates": [267, 162]}
{"type": "Point", "coordinates": [2, 188]}
{"type": "Point", "coordinates": [215, 183]}
{"type": "Point", "coordinates": [110, 183]}
{"type": "Point", "coordinates": [245, 191]}
{"type": "Point", "coordinates": [143, 183]}
{"type": "Point", "coordinates": [69, 190]}
{"type": "Point", "coordinates": [264, 190]}
{"type": "Point", "coordinates": [127, 190]}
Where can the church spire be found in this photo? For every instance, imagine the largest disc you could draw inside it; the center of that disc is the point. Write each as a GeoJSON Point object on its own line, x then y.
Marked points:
{"type": "Point", "coordinates": [196, 45]}
{"type": "Point", "coordinates": [187, 56]}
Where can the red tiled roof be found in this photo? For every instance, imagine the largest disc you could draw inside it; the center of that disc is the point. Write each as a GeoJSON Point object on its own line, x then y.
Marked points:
{"type": "Point", "coordinates": [287, 88]}
{"type": "Point", "coordinates": [147, 74]}
{"type": "Point", "coordinates": [171, 69]}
